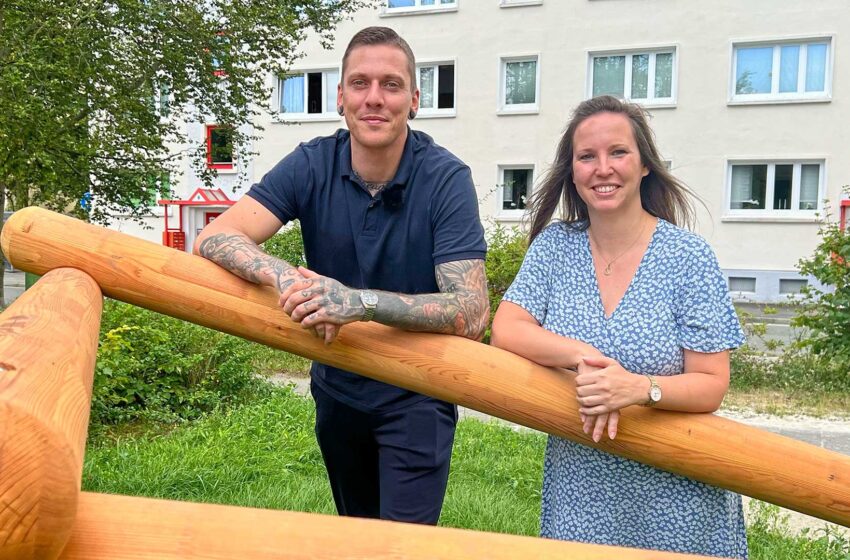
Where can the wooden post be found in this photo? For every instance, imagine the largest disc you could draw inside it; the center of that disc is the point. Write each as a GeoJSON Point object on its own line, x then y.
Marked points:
{"type": "Point", "coordinates": [147, 529]}
{"type": "Point", "coordinates": [705, 447]}
{"type": "Point", "coordinates": [48, 343]}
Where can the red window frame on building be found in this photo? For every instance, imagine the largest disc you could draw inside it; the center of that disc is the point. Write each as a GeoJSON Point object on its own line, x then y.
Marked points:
{"type": "Point", "coordinates": [216, 164]}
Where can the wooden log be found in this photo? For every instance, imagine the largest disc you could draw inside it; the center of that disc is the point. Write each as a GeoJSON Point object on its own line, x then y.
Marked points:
{"type": "Point", "coordinates": [47, 354]}
{"type": "Point", "coordinates": [705, 447]}
{"type": "Point", "coordinates": [148, 529]}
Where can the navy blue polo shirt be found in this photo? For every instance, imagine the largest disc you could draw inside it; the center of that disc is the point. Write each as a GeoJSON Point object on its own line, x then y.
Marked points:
{"type": "Point", "coordinates": [427, 215]}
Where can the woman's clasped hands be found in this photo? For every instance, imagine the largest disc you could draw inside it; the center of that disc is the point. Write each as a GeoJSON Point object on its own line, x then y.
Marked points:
{"type": "Point", "coordinates": [603, 387]}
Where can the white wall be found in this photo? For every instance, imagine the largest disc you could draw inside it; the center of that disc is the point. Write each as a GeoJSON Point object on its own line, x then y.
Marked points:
{"type": "Point", "coordinates": [699, 134]}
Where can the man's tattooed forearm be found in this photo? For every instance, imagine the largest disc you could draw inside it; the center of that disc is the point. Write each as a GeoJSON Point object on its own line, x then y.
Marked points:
{"type": "Point", "coordinates": [243, 257]}
{"type": "Point", "coordinates": [462, 308]}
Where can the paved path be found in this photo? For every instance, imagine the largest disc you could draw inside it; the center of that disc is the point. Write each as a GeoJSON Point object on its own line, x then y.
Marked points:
{"type": "Point", "coordinates": [777, 325]}
{"type": "Point", "coordinates": [13, 285]}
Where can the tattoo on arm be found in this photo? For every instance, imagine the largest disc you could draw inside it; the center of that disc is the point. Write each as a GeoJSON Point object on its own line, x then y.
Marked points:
{"type": "Point", "coordinates": [462, 306]}
{"type": "Point", "coordinates": [241, 256]}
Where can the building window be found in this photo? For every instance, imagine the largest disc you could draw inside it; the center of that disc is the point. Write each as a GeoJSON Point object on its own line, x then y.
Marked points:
{"type": "Point", "coordinates": [412, 6]}
{"type": "Point", "coordinates": [745, 284]}
{"type": "Point", "coordinates": [160, 101]}
{"type": "Point", "coordinates": [220, 54]}
{"type": "Point", "coordinates": [520, 85]}
{"type": "Point", "coordinates": [789, 189]}
{"type": "Point", "coordinates": [436, 89]}
{"type": "Point", "coordinates": [157, 187]}
{"type": "Point", "coordinates": [647, 77]}
{"type": "Point", "coordinates": [311, 93]}
{"type": "Point", "coordinates": [776, 72]}
{"type": "Point", "coordinates": [219, 147]}
{"type": "Point", "coordinates": [789, 286]}
{"type": "Point", "coordinates": [515, 183]}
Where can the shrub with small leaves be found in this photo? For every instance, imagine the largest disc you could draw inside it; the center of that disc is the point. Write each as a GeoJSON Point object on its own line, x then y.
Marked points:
{"type": "Point", "coordinates": [826, 312]}
{"type": "Point", "coordinates": [154, 367]}
{"type": "Point", "coordinates": [506, 249]}
{"type": "Point", "coordinates": [287, 245]}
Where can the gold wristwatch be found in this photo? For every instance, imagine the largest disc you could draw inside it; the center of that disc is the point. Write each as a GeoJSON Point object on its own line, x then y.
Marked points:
{"type": "Point", "coordinates": [654, 395]}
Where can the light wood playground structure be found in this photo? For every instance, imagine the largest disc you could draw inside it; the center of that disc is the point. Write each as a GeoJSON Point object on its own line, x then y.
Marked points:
{"type": "Point", "coordinates": [48, 344]}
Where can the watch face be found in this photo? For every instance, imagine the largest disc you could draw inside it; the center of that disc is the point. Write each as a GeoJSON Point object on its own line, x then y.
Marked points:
{"type": "Point", "coordinates": [369, 298]}
{"type": "Point", "coordinates": [655, 394]}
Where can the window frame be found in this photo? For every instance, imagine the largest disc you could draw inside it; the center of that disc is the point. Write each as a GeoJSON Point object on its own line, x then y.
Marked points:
{"type": "Point", "coordinates": [155, 210]}
{"type": "Point", "coordinates": [161, 101]}
{"type": "Point", "coordinates": [503, 108]}
{"type": "Point", "coordinates": [778, 97]}
{"type": "Point", "coordinates": [794, 214]}
{"type": "Point", "coordinates": [653, 51]}
{"type": "Point", "coordinates": [418, 8]}
{"type": "Point", "coordinates": [502, 214]}
{"type": "Point", "coordinates": [220, 166]}
{"type": "Point", "coordinates": [434, 113]}
{"type": "Point", "coordinates": [739, 294]}
{"type": "Point", "coordinates": [328, 115]}
{"type": "Point", "coordinates": [519, 3]}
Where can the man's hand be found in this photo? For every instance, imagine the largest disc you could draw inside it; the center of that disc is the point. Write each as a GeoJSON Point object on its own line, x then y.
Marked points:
{"type": "Point", "coordinates": [321, 303]}
{"type": "Point", "coordinates": [461, 307]}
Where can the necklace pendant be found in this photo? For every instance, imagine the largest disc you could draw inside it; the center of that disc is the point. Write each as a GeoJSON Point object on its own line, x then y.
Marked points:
{"type": "Point", "coordinates": [607, 271]}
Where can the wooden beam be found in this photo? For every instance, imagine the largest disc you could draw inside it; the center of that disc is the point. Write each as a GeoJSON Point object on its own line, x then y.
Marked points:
{"type": "Point", "coordinates": [47, 354]}
{"type": "Point", "coordinates": [705, 447]}
{"type": "Point", "coordinates": [147, 529]}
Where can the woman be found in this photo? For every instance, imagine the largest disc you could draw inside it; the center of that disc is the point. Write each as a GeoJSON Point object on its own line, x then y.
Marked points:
{"type": "Point", "coordinates": [639, 307]}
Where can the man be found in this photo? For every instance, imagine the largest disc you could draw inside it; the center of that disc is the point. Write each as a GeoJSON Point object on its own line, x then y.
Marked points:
{"type": "Point", "coordinates": [391, 234]}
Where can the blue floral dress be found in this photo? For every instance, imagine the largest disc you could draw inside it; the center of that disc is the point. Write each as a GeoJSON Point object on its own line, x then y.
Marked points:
{"type": "Point", "coordinates": [677, 299]}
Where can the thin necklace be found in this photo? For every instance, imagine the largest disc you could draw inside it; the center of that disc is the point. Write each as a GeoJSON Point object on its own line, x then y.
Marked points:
{"type": "Point", "coordinates": [607, 270]}
{"type": "Point", "coordinates": [373, 188]}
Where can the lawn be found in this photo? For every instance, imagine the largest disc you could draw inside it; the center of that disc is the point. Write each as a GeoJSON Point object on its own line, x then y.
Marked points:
{"type": "Point", "coordinates": [264, 455]}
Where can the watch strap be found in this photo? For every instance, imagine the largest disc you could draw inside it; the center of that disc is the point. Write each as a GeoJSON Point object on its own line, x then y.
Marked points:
{"type": "Point", "coordinates": [653, 388]}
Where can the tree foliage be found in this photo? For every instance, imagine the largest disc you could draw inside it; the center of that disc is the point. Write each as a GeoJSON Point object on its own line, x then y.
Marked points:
{"type": "Point", "coordinates": [81, 81]}
{"type": "Point", "coordinates": [826, 313]}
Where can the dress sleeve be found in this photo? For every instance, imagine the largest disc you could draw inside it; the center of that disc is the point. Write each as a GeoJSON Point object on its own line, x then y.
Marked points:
{"type": "Point", "coordinates": [706, 318]}
{"type": "Point", "coordinates": [531, 287]}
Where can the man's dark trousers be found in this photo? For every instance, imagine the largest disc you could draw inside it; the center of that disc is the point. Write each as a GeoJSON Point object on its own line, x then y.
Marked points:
{"type": "Point", "coordinates": [393, 465]}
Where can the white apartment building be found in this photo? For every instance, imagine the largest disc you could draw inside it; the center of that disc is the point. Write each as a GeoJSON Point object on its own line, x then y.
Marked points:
{"type": "Point", "coordinates": [746, 101]}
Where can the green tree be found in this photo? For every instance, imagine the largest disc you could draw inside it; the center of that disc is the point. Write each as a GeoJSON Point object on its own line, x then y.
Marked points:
{"type": "Point", "coordinates": [96, 93]}
{"type": "Point", "coordinates": [826, 312]}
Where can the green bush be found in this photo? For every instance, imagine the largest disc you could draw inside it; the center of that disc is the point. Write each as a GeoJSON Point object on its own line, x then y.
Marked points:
{"type": "Point", "coordinates": [795, 371]}
{"type": "Point", "coordinates": [287, 245]}
{"type": "Point", "coordinates": [826, 313]}
{"type": "Point", "coordinates": [506, 248]}
{"type": "Point", "coordinates": [154, 367]}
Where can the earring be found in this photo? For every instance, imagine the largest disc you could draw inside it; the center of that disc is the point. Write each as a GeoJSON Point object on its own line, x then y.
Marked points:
{"type": "Point", "coordinates": [340, 110]}
{"type": "Point", "coordinates": [411, 115]}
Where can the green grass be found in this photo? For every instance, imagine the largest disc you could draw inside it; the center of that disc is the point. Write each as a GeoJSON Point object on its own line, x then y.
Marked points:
{"type": "Point", "coordinates": [267, 361]}
{"type": "Point", "coordinates": [495, 479]}
{"type": "Point", "coordinates": [260, 455]}
{"type": "Point", "coordinates": [265, 455]}
{"type": "Point", "coordinates": [785, 403]}
{"type": "Point", "coordinates": [768, 538]}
